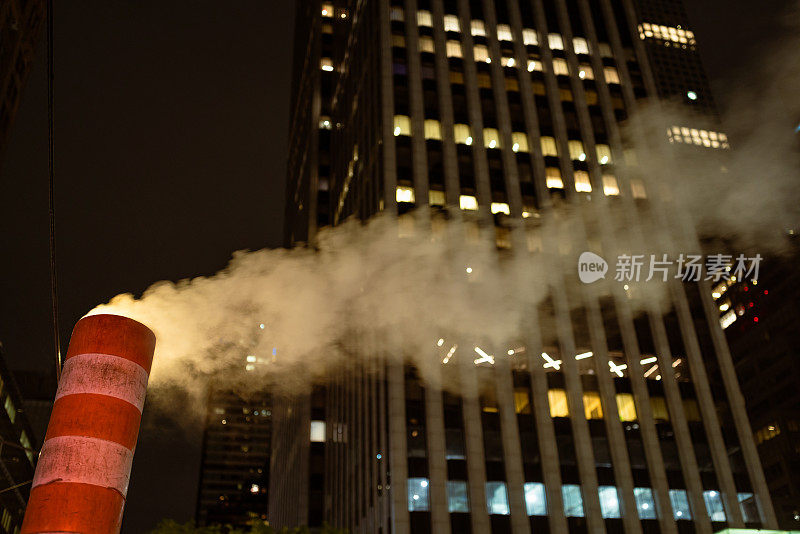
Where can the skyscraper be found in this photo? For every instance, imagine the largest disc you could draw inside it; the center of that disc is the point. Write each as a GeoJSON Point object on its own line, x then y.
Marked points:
{"type": "Point", "coordinates": [20, 30]}
{"type": "Point", "coordinates": [498, 113]}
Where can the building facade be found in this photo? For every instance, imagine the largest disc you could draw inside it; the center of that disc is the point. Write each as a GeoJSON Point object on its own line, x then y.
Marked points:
{"type": "Point", "coordinates": [498, 114]}
{"type": "Point", "coordinates": [234, 470]}
{"type": "Point", "coordinates": [21, 27]}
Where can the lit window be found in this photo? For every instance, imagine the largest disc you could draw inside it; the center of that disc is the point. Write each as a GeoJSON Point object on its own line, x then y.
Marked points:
{"type": "Point", "coordinates": [405, 194]}
{"type": "Point", "coordinates": [529, 37]}
{"type": "Point", "coordinates": [477, 27]}
{"type": "Point", "coordinates": [714, 506]}
{"type": "Point", "coordinates": [457, 497]}
{"type": "Point", "coordinates": [432, 129]}
{"type": "Point", "coordinates": [576, 152]}
{"type": "Point", "coordinates": [397, 14]}
{"type": "Point", "coordinates": [398, 41]}
{"type": "Point", "coordinates": [747, 502]}
{"type": "Point", "coordinates": [626, 407]}
{"type": "Point", "coordinates": [453, 48]}
{"type": "Point", "coordinates": [402, 125]}
{"type": "Point", "coordinates": [728, 319]}
{"type": "Point", "coordinates": [535, 499]}
{"type": "Point", "coordinates": [325, 122]}
{"type": "Point", "coordinates": [522, 401]}
{"type": "Point", "coordinates": [326, 64]}
{"type": "Point", "coordinates": [555, 41]}
{"type": "Point", "coordinates": [468, 202]}
{"type": "Point", "coordinates": [501, 207]}
{"type": "Point", "coordinates": [560, 67]}
{"type": "Point", "coordinates": [582, 182]}
{"type": "Point", "coordinates": [520, 142]}
{"type": "Point", "coordinates": [451, 23]}
{"type": "Point", "coordinates": [668, 35]}
{"type": "Point", "coordinates": [481, 53]}
{"type": "Point", "coordinates": [549, 147]}
{"type": "Point", "coordinates": [462, 134]}
{"type": "Point", "coordinates": [509, 62]}
{"type": "Point", "coordinates": [585, 72]}
{"type": "Point", "coordinates": [327, 9]}
{"type": "Point", "coordinates": [637, 188]}
{"type": "Point", "coordinates": [557, 398]}
{"type": "Point", "coordinates": [491, 138]}
{"type": "Point", "coordinates": [603, 154]}
{"type": "Point", "coordinates": [680, 504]}
{"type": "Point", "coordinates": [504, 33]}
{"type": "Point", "coordinates": [611, 75]}
{"type": "Point", "coordinates": [553, 177]}
{"type": "Point", "coordinates": [418, 495]}
{"type": "Point", "coordinates": [580, 45]}
{"type": "Point", "coordinates": [659, 407]}
{"type": "Point", "coordinates": [497, 498]}
{"type": "Point", "coordinates": [610, 187]}
{"type": "Point", "coordinates": [25, 442]}
{"type": "Point", "coordinates": [592, 406]}
{"type": "Point", "coordinates": [609, 502]}
{"type": "Point", "coordinates": [426, 44]}
{"type": "Point", "coordinates": [317, 431]}
{"type": "Point", "coordinates": [534, 65]}
{"type": "Point", "coordinates": [573, 501]}
{"type": "Point", "coordinates": [424, 18]}
{"type": "Point", "coordinates": [645, 504]}
{"type": "Point", "coordinates": [436, 198]}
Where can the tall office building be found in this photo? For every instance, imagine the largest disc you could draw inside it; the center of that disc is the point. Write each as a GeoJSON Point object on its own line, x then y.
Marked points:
{"type": "Point", "coordinates": [234, 471]}
{"type": "Point", "coordinates": [21, 24]}
{"type": "Point", "coordinates": [498, 114]}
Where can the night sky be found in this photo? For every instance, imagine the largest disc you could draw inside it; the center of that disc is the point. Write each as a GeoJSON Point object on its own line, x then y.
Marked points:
{"type": "Point", "coordinates": [171, 137]}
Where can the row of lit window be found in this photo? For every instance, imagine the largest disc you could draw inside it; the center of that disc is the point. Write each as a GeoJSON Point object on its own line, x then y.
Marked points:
{"type": "Point", "coordinates": [767, 433]}
{"type": "Point", "coordinates": [593, 408]}
{"type": "Point", "coordinates": [536, 500]}
{"type": "Point", "coordinates": [432, 129]}
{"type": "Point", "coordinates": [696, 136]}
{"type": "Point", "coordinates": [666, 33]}
{"type": "Point", "coordinates": [451, 23]}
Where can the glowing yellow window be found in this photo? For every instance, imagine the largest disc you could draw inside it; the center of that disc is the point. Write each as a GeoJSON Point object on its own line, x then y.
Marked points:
{"type": "Point", "coordinates": [585, 72]}
{"type": "Point", "coordinates": [592, 406]}
{"type": "Point", "coordinates": [424, 18]}
{"type": "Point", "coordinates": [504, 32]}
{"type": "Point", "coordinates": [477, 27]}
{"type": "Point", "coordinates": [453, 48]}
{"type": "Point", "coordinates": [580, 45]}
{"type": "Point", "coordinates": [522, 403]}
{"type": "Point", "coordinates": [557, 399]}
{"type": "Point", "coordinates": [426, 44]}
{"type": "Point", "coordinates": [560, 67]}
{"type": "Point", "coordinates": [500, 207]}
{"type": "Point", "coordinates": [481, 53]}
{"type": "Point", "coordinates": [451, 23]}
{"type": "Point", "coordinates": [529, 37]}
{"type": "Point", "coordinates": [603, 154]}
{"type": "Point", "coordinates": [327, 9]}
{"type": "Point", "coordinates": [462, 134]}
{"type": "Point", "coordinates": [626, 407]}
{"type": "Point", "coordinates": [326, 64]}
{"type": "Point", "coordinates": [519, 142]}
{"type": "Point", "coordinates": [404, 194]}
{"type": "Point", "coordinates": [436, 198]}
{"type": "Point", "coordinates": [491, 138]}
{"type": "Point", "coordinates": [402, 125]}
{"type": "Point", "coordinates": [432, 129]}
{"type": "Point", "coordinates": [582, 182]}
{"type": "Point", "coordinates": [637, 188]}
{"type": "Point", "coordinates": [549, 146]}
{"type": "Point", "coordinates": [611, 75]}
{"type": "Point", "coordinates": [468, 202]}
{"type": "Point", "coordinates": [576, 151]}
{"type": "Point", "coordinates": [659, 407]}
{"type": "Point", "coordinates": [610, 186]}
{"type": "Point", "coordinates": [553, 176]}
{"type": "Point", "coordinates": [555, 41]}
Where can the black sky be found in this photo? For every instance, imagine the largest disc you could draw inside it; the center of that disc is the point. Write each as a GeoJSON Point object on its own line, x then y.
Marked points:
{"type": "Point", "coordinates": [171, 136]}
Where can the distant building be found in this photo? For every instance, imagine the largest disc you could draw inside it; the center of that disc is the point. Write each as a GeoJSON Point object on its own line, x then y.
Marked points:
{"type": "Point", "coordinates": [21, 27]}
{"type": "Point", "coordinates": [38, 390]}
{"type": "Point", "coordinates": [493, 112]}
{"type": "Point", "coordinates": [234, 470]}
{"type": "Point", "coordinates": [18, 453]}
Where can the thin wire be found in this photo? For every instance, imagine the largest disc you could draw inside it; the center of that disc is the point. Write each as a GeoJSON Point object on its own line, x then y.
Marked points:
{"type": "Point", "coordinates": [52, 202]}
{"type": "Point", "coordinates": [15, 486]}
